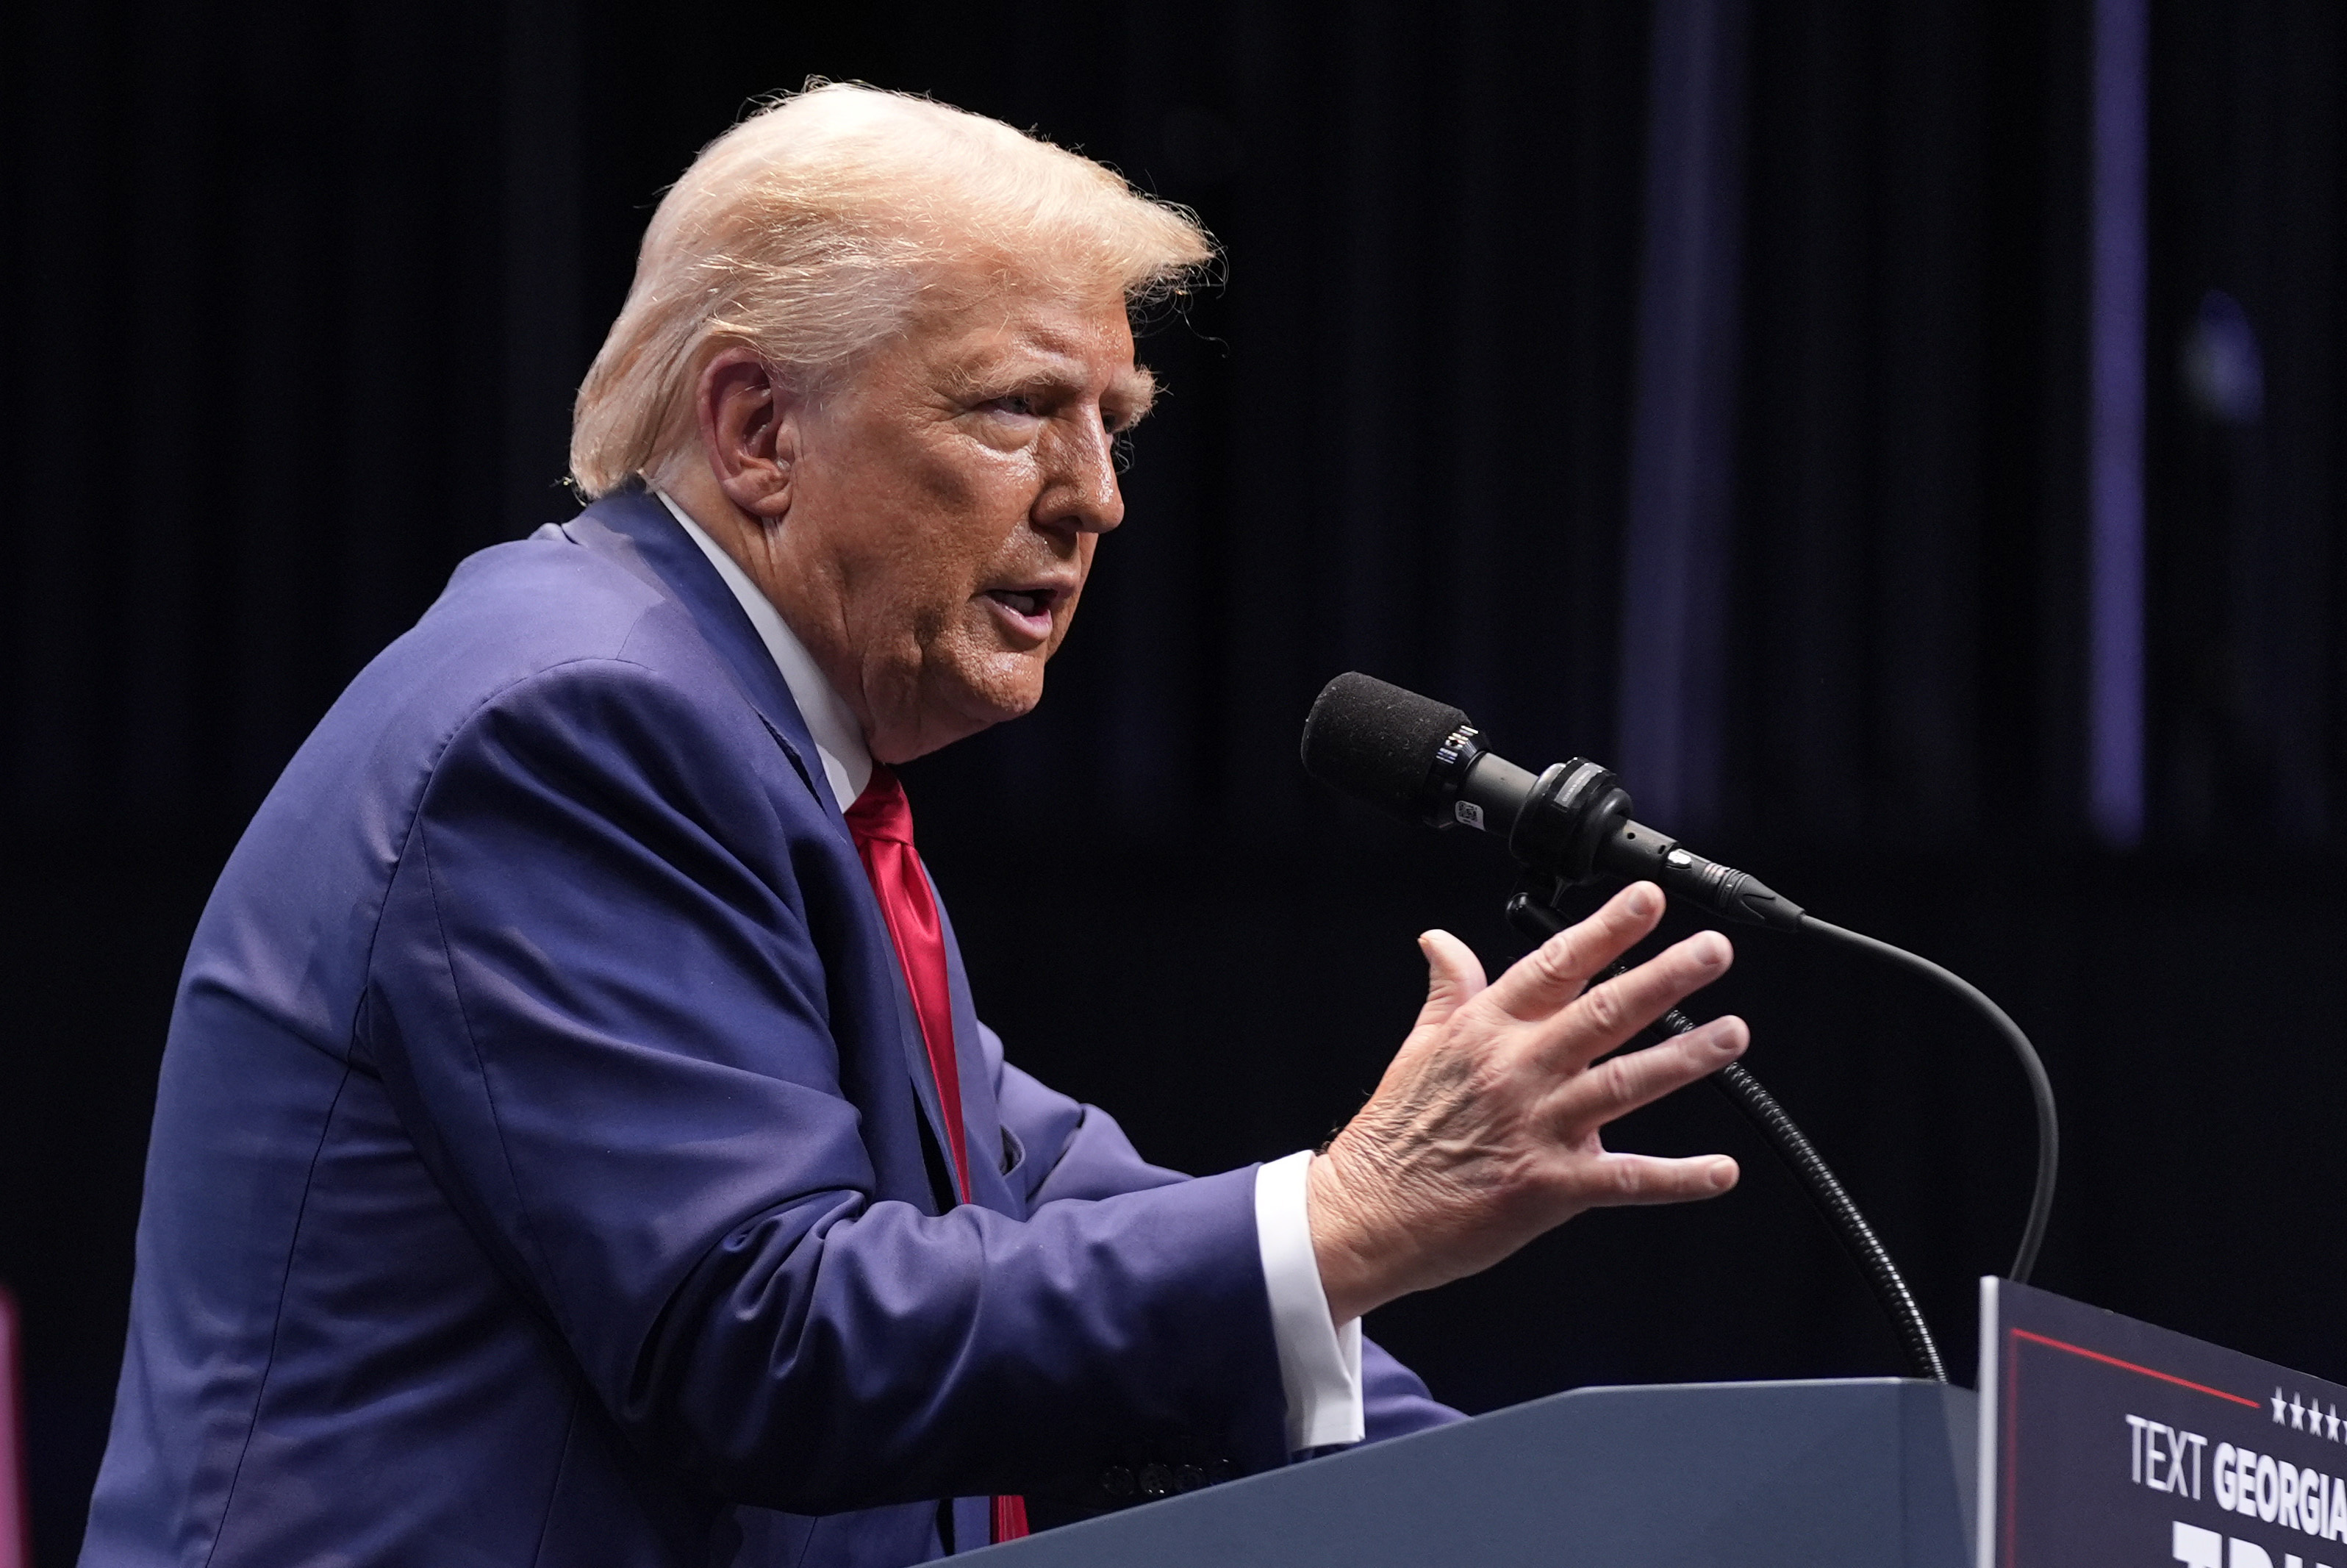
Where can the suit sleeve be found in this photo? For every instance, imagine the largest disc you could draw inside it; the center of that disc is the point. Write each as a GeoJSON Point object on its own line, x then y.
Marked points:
{"type": "Point", "coordinates": [1075, 1150]}
{"type": "Point", "coordinates": [599, 999]}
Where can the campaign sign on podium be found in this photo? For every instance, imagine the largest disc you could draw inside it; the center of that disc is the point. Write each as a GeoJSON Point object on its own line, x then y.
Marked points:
{"type": "Point", "coordinates": [2108, 1440]}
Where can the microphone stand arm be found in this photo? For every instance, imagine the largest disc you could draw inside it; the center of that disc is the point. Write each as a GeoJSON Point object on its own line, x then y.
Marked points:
{"type": "Point", "coordinates": [1537, 918]}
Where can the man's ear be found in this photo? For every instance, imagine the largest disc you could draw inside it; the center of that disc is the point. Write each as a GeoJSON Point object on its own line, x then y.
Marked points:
{"type": "Point", "coordinates": [748, 419]}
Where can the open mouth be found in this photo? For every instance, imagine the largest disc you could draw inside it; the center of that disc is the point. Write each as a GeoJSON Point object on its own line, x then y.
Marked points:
{"type": "Point", "coordinates": [1027, 603]}
{"type": "Point", "coordinates": [1025, 612]}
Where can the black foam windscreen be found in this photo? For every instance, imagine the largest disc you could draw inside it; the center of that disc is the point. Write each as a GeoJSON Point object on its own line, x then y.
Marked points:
{"type": "Point", "coordinates": [1376, 742]}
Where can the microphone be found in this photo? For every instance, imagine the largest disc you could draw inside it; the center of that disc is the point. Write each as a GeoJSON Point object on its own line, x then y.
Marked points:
{"type": "Point", "coordinates": [1425, 761]}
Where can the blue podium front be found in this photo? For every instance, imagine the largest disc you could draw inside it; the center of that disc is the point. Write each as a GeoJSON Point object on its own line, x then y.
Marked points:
{"type": "Point", "coordinates": [1876, 1472]}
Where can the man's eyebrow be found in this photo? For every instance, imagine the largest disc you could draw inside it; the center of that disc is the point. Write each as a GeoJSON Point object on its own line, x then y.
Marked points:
{"type": "Point", "coordinates": [987, 375]}
{"type": "Point", "coordinates": [1134, 392]}
{"type": "Point", "coordinates": [1131, 392]}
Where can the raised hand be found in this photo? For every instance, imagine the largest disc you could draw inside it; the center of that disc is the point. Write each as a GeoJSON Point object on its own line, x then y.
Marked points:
{"type": "Point", "coordinates": [1483, 1133]}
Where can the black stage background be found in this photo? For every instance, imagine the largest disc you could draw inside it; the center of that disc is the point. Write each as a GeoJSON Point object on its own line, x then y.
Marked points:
{"type": "Point", "coordinates": [298, 294]}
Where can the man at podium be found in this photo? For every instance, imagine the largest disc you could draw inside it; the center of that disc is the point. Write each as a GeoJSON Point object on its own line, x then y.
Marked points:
{"type": "Point", "coordinates": [575, 1143]}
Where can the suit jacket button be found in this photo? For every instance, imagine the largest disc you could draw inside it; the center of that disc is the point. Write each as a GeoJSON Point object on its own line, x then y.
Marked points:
{"type": "Point", "coordinates": [1221, 1470]}
{"type": "Point", "coordinates": [1189, 1478]}
{"type": "Point", "coordinates": [1156, 1481]}
{"type": "Point", "coordinates": [1117, 1481]}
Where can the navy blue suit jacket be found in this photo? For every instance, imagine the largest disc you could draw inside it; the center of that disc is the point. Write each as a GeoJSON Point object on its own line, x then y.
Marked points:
{"type": "Point", "coordinates": [543, 1166]}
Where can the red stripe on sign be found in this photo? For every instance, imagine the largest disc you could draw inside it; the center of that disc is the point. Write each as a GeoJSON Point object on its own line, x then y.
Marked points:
{"type": "Point", "coordinates": [2012, 1451]}
{"type": "Point", "coordinates": [2129, 1366]}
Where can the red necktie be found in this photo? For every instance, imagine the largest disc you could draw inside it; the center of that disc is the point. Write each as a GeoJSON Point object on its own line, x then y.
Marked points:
{"type": "Point", "coordinates": [882, 820]}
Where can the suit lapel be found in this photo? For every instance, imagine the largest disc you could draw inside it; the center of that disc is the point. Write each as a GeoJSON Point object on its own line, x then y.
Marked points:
{"type": "Point", "coordinates": [634, 527]}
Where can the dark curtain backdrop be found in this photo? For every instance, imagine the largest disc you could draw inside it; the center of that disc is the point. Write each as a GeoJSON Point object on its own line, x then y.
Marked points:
{"type": "Point", "coordinates": [1747, 338]}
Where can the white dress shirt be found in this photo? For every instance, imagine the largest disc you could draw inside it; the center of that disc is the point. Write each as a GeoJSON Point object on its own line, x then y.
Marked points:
{"type": "Point", "coordinates": [1320, 1363]}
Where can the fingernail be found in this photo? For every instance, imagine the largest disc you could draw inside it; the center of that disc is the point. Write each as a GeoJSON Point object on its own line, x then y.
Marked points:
{"type": "Point", "coordinates": [1722, 1175]}
{"type": "Point", "coordinates": [1643, 897]}
{"type": "Point", "coordinates": [1715, 950]}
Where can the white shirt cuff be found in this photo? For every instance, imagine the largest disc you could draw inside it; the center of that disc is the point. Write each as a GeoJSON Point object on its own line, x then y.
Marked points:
{"type": "Point", "coordinates": [1320, 1363]}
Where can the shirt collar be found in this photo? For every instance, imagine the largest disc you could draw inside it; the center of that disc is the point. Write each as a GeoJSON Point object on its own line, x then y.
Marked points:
{"type": "Point", "coordinates": [838, 739]}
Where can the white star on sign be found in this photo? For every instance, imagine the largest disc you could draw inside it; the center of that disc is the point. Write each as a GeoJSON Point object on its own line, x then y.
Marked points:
{"type": "Point", "coordinates": [2278, 1407]}
{"type": "Point", "coordinates": [2297, 1414]}
{"type": "Point", "coordinates": [2333, 1424]}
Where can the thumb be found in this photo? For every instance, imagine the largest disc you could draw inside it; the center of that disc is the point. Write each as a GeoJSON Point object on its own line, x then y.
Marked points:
{"type": "Point", "coordinates": [1453, 976]}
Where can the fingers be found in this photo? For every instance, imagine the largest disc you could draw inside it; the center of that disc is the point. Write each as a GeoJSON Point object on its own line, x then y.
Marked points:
{"type": "Point", "coordinates": [1619, 1180]}
{"type": "Point", "coordinates": [1609, 1014]}
{"type": "Point", "coordinates": [1587, 1100]}
{"type": "Point", "coordinates": [1553, 974]}
{"type": "Point", "coordinates": [1455, 976]}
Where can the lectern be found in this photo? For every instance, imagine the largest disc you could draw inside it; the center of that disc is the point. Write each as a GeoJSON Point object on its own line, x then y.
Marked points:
{"type": "Point", "coordinates": [1877, 1473]}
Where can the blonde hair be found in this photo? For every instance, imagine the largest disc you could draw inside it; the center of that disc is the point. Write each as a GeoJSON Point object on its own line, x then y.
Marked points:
{"type": "Point", "coordinates": [814, 229]}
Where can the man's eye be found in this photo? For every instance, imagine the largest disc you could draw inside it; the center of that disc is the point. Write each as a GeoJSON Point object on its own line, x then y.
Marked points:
{"type": "Point", "coordinates": [1019, 403]}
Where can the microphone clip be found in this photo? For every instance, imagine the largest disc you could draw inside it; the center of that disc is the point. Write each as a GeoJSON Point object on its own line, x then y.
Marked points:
{"type": "Point", "coordinates": [1446, 776]}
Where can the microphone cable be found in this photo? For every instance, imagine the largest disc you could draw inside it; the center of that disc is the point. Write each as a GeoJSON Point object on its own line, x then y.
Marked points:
{"type": "Point", "coordinates": [2033, 1067]}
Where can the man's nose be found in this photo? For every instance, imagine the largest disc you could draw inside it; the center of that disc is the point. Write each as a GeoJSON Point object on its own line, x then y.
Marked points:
{"type": "Point", "coordinates": [1080, 494]}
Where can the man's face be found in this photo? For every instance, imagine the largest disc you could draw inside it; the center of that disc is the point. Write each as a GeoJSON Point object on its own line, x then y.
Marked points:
{"type": "Point", "coordinates": [943, 511]}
